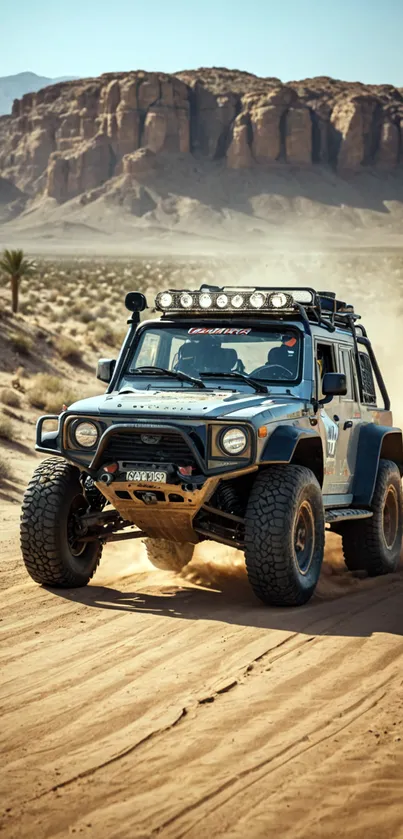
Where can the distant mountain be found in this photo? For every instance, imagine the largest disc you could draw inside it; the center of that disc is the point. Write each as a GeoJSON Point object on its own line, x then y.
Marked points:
{"type": "Point", "coordinates": [13, 87]}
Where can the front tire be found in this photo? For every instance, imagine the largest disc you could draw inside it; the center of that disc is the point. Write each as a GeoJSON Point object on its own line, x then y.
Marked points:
{"type": "Point", "coordinates": [50, 550]}
{"type": "Point", "coordinates": [168, 556]}
{"type": "Point", "coordinates": [374, 545]}
{"type": "Point", "coordinates": [284, 535]}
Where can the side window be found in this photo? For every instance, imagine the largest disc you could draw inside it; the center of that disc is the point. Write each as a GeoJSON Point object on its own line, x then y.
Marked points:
{"type": "Point", "coordinates": [173, 355]}
{"type": "Point", "coordinates": [345, 367]}
{"type": "Point", "coordinates": [368, 384]}
{"type": "Point", "coordinates": [324, 364]}
{"type": "Point", "coordinates": [148, 351]}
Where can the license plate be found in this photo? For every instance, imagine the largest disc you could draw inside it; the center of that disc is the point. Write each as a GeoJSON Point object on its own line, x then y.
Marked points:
{"type": "Point", "coordinates": [147, 476]}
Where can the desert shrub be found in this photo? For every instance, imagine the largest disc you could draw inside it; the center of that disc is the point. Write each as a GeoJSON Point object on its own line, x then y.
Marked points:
{"type": "Point", "coordinates": [10, 397]}
{"type": "Point", "coordinates": [86, 316]}
{"type": "Point", "coordinates": [6, 429]}
{"type": "Point", "coordinates": [49, 393]}
{"type": "Point", "coordinates": [20, 343]}
{"type": "Point", "coordinates": [69, 350]}
{"type": "Point", "coordinates": [106, 335]}
{"type": "Point", "coordinates": [55, 401]}
{"type": "Point", "coordinates": [5, 472]}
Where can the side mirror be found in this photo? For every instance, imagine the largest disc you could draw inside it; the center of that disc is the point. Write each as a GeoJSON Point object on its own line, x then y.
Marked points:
{"type": "Point", "coordinates": [105, 368]}
{"type": "Point", "coordinates": [334, 384]}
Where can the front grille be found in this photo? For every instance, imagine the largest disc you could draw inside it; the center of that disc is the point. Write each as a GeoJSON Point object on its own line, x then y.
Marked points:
{"type": "Point", "coordinates": [129, 447]}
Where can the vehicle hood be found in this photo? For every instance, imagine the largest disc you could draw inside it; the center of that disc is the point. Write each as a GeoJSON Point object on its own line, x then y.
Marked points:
{"type": "Point", "coordinates": [181, 404]}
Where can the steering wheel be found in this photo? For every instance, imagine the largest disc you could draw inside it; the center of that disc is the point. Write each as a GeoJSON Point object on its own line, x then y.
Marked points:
{"type": "Point", "coordinates": [269, 371]}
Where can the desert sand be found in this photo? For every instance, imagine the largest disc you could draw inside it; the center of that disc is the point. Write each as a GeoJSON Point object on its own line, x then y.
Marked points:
{"type": "Point", "coordinates": [150, 704]}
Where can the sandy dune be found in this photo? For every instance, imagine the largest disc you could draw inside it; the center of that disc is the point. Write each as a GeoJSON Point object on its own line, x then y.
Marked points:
{"type": "Point", "coordinates": [149, 704]}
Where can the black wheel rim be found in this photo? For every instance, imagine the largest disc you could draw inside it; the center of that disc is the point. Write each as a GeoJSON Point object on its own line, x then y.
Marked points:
{"type": "Point", "coordinates": [74, 532]}
{"type": "Point", "coordinates": [304, 537]}
{"type": "Point", "coordinates": [390, 517]}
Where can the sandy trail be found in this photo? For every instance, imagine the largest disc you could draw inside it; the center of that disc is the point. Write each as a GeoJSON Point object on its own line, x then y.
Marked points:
{"type": "Point", "coordinates": [149, 704]}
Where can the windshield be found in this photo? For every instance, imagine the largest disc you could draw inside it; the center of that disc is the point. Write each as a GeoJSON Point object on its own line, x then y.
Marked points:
{"type": "Point", "coordinates": [271, 354]}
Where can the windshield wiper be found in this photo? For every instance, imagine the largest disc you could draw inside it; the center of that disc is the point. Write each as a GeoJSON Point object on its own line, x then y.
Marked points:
{"type": "Point", "coordinates": [259, 387]}
{"type": "Point", "coordinates": [175, 374]}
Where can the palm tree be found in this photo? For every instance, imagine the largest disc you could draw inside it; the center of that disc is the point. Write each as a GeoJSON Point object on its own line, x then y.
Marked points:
{"type": "Point", "coordinates": [16, 266]}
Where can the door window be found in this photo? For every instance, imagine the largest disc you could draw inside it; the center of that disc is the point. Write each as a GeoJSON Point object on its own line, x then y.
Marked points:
{"type": "Point", "coordinates": [324, 364]}
{"type": "Point", "coordinates": [368, 384]}
{"type": "Point", "coordinates": [345, 367]}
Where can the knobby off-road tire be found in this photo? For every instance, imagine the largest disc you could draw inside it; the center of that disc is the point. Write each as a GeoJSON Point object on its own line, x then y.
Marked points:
{"type": "Point", "coordinates": [374, 545]}
{"type": "Point", "coordinates": [284, 535]}
{"type": "Point", "coordinates": [50, 552]}
{"type": "Point", "coordinates": [168, 556]}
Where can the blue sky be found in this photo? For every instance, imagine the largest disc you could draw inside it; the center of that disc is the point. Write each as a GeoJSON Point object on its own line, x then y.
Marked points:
{"type": "Point", "coordinates": [357, 40]}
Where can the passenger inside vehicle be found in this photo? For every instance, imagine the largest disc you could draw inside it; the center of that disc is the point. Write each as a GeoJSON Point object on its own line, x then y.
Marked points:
{"type": "Point", "coordinates": [194, 359]}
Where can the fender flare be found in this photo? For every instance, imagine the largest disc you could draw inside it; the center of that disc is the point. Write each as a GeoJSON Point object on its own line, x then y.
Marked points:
{"type": "Point", "coordinates": [374, 441]}
{"type": "Point", "coordinates": [282, 443]}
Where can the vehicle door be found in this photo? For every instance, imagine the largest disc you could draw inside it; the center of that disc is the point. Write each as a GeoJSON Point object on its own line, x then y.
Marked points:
{"type": "Point", "coordinates": [326, 361]}
{"type": "Point", "coordinates": [348, 418]}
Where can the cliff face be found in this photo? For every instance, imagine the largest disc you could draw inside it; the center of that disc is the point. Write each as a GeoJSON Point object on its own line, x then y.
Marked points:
{"type": "Point", "coordinates": [71, 137]}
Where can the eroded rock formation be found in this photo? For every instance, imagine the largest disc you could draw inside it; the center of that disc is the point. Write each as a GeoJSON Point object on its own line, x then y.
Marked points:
{"type": "Point", "coordinates": [73, 137]}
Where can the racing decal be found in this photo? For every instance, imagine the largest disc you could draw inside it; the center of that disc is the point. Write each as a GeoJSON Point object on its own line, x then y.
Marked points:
{"type": "Point", "coordinates": [332, 434]}
{"type": "Point", "coordinates": [207, 330]}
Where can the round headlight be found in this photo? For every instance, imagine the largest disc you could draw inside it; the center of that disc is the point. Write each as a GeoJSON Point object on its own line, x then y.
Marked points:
{"type": "Point", "coordinates": [257, 300]}
{"type": "Point", "coordinates": [165, 299]}
{"type": "Point", "coordinates": [205, 300]}
{"type": "Point", "coordinates": [86, 435]}
{"type": "Point", "coordinates": [237, 301]}
{"type": "Point", "coordinates": [186, 300]}
{"type": "Point", "coordinates": [234, 441]}
{"type": "Point", "coordinates": [222, 301]}
{"type": "Point", "coordinates": [278, 300]}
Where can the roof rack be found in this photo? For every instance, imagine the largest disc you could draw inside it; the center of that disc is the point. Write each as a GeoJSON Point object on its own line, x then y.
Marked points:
{"type": "Point", "coordinates": [321, 307]}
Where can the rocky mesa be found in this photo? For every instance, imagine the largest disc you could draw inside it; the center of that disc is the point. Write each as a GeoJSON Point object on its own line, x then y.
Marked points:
{"type": "Point", "coordinates": [73, 137]}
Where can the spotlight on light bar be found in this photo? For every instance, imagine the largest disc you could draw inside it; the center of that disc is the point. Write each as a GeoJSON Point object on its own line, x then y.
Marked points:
{"type": "Point", "coordinates": [205, 300]}
{"type": "Point", "coordinates": [257, 299]}
{"type": "Point", "coordinates": [278, 300]}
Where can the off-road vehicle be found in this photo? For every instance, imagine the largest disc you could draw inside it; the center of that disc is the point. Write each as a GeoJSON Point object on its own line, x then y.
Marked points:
{"type": "Point", "coordinates": [254, 417]}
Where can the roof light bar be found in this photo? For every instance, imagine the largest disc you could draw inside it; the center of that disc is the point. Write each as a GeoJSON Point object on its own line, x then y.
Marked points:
{"type": "Point", "coordinates": [209, 301]}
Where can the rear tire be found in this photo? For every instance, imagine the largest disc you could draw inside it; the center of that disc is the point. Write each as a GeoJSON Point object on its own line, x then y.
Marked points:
{"type": "Point", "coordinates": [374, 544]}
{"type": "Point", "coordinates": [51, 554]}
{"type": "Point", "coordinates": [168, 556]}
{"type": "Point", "coordinates": [284, 535]}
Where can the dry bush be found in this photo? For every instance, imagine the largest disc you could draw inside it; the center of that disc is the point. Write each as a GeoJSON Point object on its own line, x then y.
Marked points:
{"type": "Point", "coordinates": [49, 393]}
{"type": "Point", "coordinates": [20, 343]}
{"type": "Point", "coordinates": [5, 472]}
{"type": "Point", "coordinates": [10, 397]}
{"type": "Point", "coordinates": [6, 429]}
{"type": "Point", "coordinates": [106, 335]}
{"type": "Point", "coordinates": [85, 316]}
{"type": "Point", "coordinates": [70, 350]}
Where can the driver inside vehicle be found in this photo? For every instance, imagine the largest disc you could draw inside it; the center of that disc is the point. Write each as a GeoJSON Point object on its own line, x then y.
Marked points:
{"type": "Point", "coordinates": [286, 355]}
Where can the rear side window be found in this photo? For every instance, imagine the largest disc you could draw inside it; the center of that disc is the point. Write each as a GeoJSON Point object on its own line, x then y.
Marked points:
{"type": "Point", "coordinates": [368, 384]}
{"type": "Point", "coordinates": [345, 367]}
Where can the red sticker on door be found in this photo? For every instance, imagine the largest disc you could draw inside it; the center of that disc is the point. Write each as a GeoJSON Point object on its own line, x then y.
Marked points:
{"type": "Point", "coordinates": [214, 330]}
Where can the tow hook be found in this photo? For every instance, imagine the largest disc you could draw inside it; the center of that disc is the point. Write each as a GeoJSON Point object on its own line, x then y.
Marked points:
{"type": "Point", "coordinates": [108, 473]}
{"type": "Point", "coordinates": [106, 478]}
{"type": "Point", "coordinates": [193, 485]}
{"type": "Point", "coordinates": [149, 498]}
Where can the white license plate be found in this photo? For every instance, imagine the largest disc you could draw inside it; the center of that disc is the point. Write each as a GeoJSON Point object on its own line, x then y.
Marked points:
{"type": "Point", "coordinates": [147, 476]}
